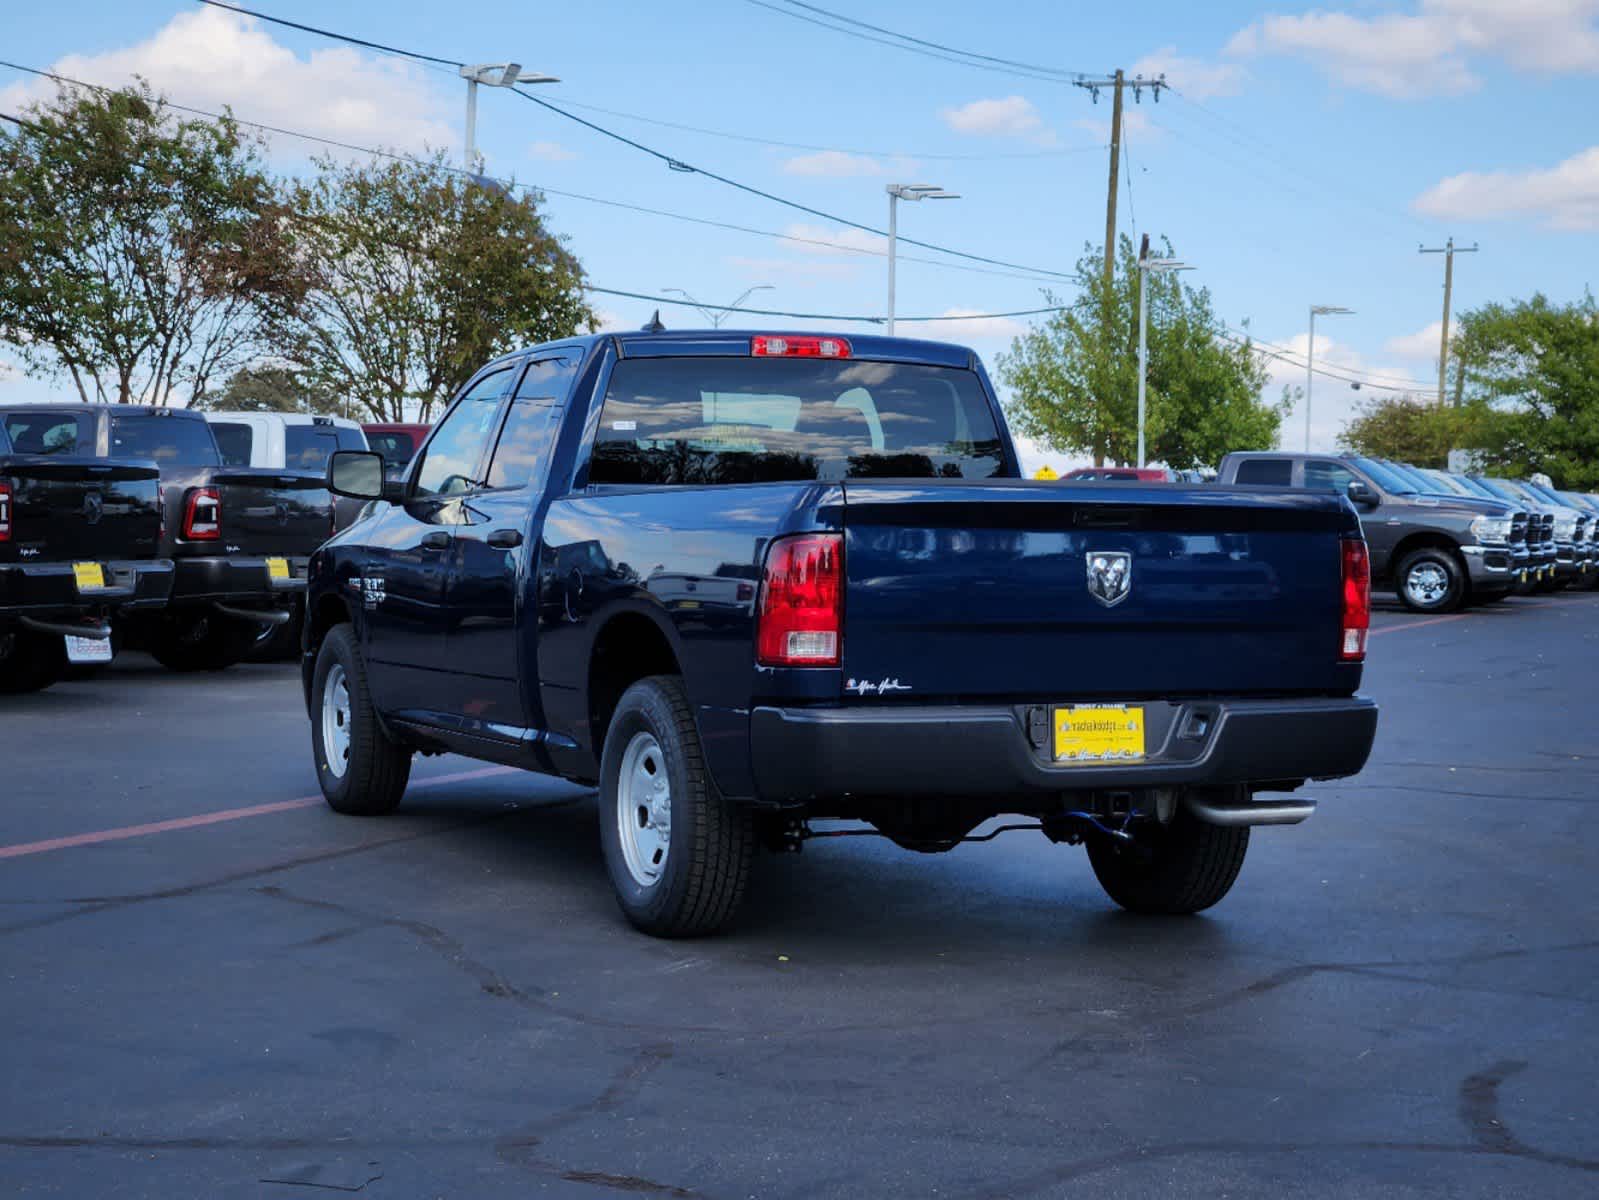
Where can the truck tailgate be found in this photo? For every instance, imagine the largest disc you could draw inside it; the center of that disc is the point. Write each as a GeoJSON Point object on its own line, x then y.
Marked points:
{"type": "Point", "coordinates": [81, 508]}
{"type": "Point", "coordinates": [980, 590]}
{"type": "Point", "coordinates": [273, 512]}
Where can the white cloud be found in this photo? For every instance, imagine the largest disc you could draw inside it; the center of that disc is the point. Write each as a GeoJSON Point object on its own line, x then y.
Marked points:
{"type": "Point", "coordinates": [1333, 402]}
{"type": "Point", "coordinates": [1428, 51]}
{"type": "Point", "coordinates": [608, 321]}
{"type": "Point", "coordinates": [967, 325]}
{"type": "Point", "coordinates": [551, 152]}
{"type": "Point", "coordinates": [211, 58]}
{"type": "Point", "coordinates": [1194, 77]}
{"type": "Point", "coordinates": [1565, 196]}
{"type": "Point", "coordinates": [1423, 345]}
{"type": "Point", "coordinates": [818, 239]}
{"type": "Point", "coordinates": [1011, 116]}
{"type": "Point", "coordinates": [835, 164]}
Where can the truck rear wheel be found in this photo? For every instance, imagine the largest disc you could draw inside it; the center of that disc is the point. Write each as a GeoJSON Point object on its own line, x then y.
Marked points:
{"type": "Point", "coordinates": [29, 661]}
{"type": "Point", "coordinates": [200, 640]}
{"type": "Point", "coordinates": [1431, 581]}
{"type": "Point", "coordinates": [363, 772]}
{"type": "Point", "coordinates": [1183, 867]}
{"type": "Point", "coordinates": [678, 852]}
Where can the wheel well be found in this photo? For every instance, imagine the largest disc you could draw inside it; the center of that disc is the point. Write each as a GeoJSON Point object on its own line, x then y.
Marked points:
{"type": "Point", "coordinates": [629, 648]}
{"type": "Point", "coordinates": [330, 611]}
{"type": "Point", "coordinates": [1425, 541]}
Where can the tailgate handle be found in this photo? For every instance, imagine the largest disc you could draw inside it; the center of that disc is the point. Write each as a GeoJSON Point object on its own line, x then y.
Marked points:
{"type": "Point", "coordinates": [437, 540]}
{"type": "Point", "coordinates": [505, 539]}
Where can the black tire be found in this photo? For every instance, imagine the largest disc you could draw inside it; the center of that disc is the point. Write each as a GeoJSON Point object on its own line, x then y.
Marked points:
{"type": "Point", "coordinates": [200, 640]}
{"type": "Point", "coordinates": [29, 661]}
{"type": "Point", "coordinates": [1180, 868]}
{"type": "Point", "coordinates": [1588, 581]}
{"type": "Point", "coordinates": [377, 768]}
{"type": "Point", "coordinates": [710, 841]}
{"type": "Point", "coordinates": [1431, 564]}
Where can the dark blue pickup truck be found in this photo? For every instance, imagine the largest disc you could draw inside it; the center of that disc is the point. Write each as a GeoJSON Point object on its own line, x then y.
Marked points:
{"type": "Point", "coordinates": [742, 582]}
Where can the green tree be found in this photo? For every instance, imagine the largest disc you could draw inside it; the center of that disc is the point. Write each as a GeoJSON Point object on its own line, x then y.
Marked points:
{"type": "Point", "coordinates": [1405, 427]}
{"type": "Point", "coordinates": [269, 389]}
{"type": "Point", "coordinates": [1532, 385]}
{"type": "Point", "coordinates": [1074, 377]}
{"type": "Point", "coordinates": [414, 277]}
{"type": "Point", "coordinates": [137, 247]}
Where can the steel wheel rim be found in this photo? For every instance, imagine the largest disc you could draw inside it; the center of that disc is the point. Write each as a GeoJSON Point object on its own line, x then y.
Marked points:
{"type": "Point", "coordinates": [644, 809]}
{"type": "Point", "coordinates": [336, 721]}
{"type": "Point", "coordinates": [1427, 583]}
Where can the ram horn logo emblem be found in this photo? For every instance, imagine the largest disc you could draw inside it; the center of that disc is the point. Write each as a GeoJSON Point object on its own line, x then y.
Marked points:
{"type": "Point", "coordinates": [1110, 576]}
{"type": "Point", "coordinates": [93, 508]}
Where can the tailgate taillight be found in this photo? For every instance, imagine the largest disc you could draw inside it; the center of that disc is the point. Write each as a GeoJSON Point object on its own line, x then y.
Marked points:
{"type": "Point", "coordinates": [1357, 600]}
{"type": "Point", "coordinates": [801, 610]}
{"type": "Point", "coordinates": [5, 512]}
{"type": "Point", "coordinates": [202, 515]}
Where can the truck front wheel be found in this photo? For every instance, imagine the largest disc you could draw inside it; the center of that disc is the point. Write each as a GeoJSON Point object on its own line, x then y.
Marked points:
{"type": "Point", "coordinates": [1431, 581]}
{"type": "Point", "coordinates": [1183, 867]}
{"type": "Point", "coordinates": [678, 852]}
{"type": "Point", "coordinates": [363, 772]}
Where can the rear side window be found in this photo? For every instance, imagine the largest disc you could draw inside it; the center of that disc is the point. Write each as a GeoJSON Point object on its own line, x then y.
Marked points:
{"type": "Point", "coordinates": [1273, 472]}
{"type": "Point", "coordinates": [167, 439]}
{"type": "Point", "coordinates": [456, 448]}
{"type": "Point", "coordinates": [1327, 477]}
{"type": "Point", "coordinates": [522, 456]}
{"type": "Point", "coordinates": [308, 447]}
{"type": "Point", "coordinates": [396, 448]}
{"type": "Point", "coordinates": [234, 440]}
{"type": "Point", "coordinates": [744, 420]}
{"type": "Point", "coordinates": [42, 432]}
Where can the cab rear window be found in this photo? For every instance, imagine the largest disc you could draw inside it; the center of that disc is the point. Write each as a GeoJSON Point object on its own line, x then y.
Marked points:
{"type": "Point", "coordinates": [43, 432]}
{"type": "Point", "coordinates": [739, 420]}
{"type": "Point", "coordinates": [167, 439]}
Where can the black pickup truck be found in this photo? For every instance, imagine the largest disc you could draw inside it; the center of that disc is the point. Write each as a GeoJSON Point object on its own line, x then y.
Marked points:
{"type": "Point", "coordinates": [748, 581]}
{"type": "Point", "coordinates": [239, 538]}
{"type": "Point", "coordinates": [79, 540]}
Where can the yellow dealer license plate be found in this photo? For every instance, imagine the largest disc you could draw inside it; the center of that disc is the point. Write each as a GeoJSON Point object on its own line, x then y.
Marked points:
{"type": "Point", "coordinates": [88, 575]}
{"type": "Point", "coordinates": [277, 568]}
{"type": "Point", "coordinates": [1099, 733]}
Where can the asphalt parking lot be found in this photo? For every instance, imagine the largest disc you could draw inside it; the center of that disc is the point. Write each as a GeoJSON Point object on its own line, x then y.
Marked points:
{"type": "Point", "coordinates": [215, 987]}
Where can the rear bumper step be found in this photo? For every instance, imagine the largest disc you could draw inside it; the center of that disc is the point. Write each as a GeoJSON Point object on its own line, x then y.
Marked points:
{"type": "Point", "coordinates": [803, 754]}
{"type": "Point", "coordinates": [97, 630]}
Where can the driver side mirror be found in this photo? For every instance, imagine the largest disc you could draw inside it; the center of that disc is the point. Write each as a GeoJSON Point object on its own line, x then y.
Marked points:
{"type": "Point", "coordinates": [1361, 494]}
{"type": "Point", "coordinates": [357, 474]}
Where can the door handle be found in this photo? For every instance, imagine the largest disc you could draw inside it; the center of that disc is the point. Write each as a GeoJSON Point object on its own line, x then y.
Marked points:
{"type": "Point", "coordinates": [505, 539]}
{"type": "Point", "coordinates": [437, 540]}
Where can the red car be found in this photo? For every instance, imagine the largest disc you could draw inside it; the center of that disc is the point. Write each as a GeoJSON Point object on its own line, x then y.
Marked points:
{"type": "Point", "coordinates": [396, 442]}
{"type": "Point", "coordinates": [1138, 474]}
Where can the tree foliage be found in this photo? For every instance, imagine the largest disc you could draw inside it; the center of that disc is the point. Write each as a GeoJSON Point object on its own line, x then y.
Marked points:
{"type": "Point", "coordinates": [414, 277]}
{"type": "Point", "coordinates": [138, 248]}
{"type": "Point", "coordinates": [1532, 383]}
{"type": "Point", "coordinates": [269, 389]}
{"type": "Point", "coordinates": [1406, 427]}
{"type": "Point", "coordinates": [1074, 377]}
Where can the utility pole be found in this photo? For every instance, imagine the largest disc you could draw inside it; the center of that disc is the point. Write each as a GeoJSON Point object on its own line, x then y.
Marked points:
{"type": "Point", "coordinates": [1316, 310]}
{"type": "Point", "coordinates": [896, 193]}
{"type": "Point", "coordinates": [1145, 266]}
{"type": "Point", "coordinates": [1448, 250]}
{"type": "Point", "coordinates": [494, 75]}
{"type": "Point", "coordinates": [1118, 83]}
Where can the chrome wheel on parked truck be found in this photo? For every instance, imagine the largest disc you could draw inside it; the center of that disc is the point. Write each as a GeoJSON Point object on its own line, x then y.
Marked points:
{"type": "Point", "coordinates": [363, 772]}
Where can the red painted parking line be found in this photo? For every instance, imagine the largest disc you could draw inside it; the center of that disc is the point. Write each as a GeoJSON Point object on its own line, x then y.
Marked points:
{"type": "Point", "coordinates": [19, 849]}
{"type": "Point", "coordinates": [1417, 624]}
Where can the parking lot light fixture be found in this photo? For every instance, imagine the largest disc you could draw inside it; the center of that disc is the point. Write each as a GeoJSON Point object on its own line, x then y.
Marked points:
{"type": "Point", "coordinates": [1316, 310]}
{"type": "Point", "coordinates": [896, 193]}
{"type": "Point", "coordinates": [493, 75]}
{"type": "Point", "coordinates": [1145, 266]}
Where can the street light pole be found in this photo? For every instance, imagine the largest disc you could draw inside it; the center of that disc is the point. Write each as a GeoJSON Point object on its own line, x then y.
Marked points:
{"type": "Point", "coordinates": [1310, 356]}
{"type": "Point", "coordinates": [1145, 266]}
{"type": "Point", "coordinates": [494, 75]}
{"type": "Point", "coordinates": [896, 193]}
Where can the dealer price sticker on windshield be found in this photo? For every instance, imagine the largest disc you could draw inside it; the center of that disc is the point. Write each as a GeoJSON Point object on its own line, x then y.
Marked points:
{"type": "Point", "coordinates": [1099, 733]}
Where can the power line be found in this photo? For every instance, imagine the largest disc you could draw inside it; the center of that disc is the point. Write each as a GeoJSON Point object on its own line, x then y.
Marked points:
{"type": "Point", "coordinates": [342, 37]}
{"type": "Point", "coordinates": [1292, 358]}
{"type": "Point", "coordinates": [899, 41]}
{"type": "Point", "coordinates": [839, 247]}
{"type": "Point", "coordinates": [674, 163]}
{"type": "Point", "coordinates": [783, 145]}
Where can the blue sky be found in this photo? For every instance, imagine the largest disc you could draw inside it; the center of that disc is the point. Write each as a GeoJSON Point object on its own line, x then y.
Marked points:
{"type": "Point", "coordinates": [1301, 158]}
